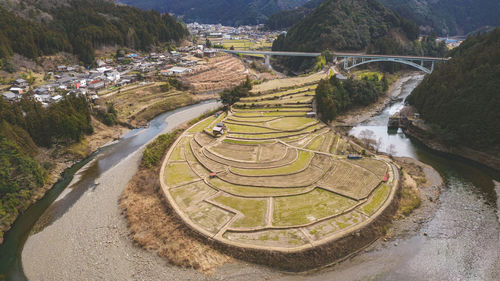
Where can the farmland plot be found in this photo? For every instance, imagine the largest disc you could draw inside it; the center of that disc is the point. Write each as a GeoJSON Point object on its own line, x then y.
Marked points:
{"type": "Point", "coordinates": [274, 179]}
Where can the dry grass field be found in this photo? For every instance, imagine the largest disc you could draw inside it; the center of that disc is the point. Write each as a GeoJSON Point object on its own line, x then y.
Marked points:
{"type": "Point", "coordinates": [292, 82]}
{"type": "Point", "coordinates": [275, 180]}
{"type": "Point", "coordinates": [221, 72]}
{"type": "Point", "coordinates": [139, 105]}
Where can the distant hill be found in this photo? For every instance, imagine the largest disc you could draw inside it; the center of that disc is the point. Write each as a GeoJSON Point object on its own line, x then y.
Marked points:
{"type": "Point", "coordinates": [453, 17]}
{"type": "Point", "coordinates": [445, 17]}
{"type": "Point", "coordinates": [33, 29]}
{"type": "Point", "coordinates": [461, 97]}
{"type": "Point", "coordinates": [284, 19]}
{"type": "Point", "coordinates": [356, 25]}
{"type": "Point", "coordinates": [226, 12]}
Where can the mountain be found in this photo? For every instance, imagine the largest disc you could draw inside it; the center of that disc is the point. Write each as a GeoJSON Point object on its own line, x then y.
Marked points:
{"type": "Point", "coordinates": [445, 17]}
{"type": "Point", "coordinates": [80, 26]}
{"type": "Point", "coordinates": [453, 17]}
{"type": "Point", "coordinates": [226, 12]}
{"type": "Point", "coordinates": [355, 25]}
{"type": "Point", "coordinates": [461, 97]}
{"type": "Point", "coordinates": [286, 18]}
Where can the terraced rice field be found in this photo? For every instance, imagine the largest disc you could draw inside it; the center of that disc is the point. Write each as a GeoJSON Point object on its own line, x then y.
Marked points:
{"type": "Point", "coordinates": [273, 181]}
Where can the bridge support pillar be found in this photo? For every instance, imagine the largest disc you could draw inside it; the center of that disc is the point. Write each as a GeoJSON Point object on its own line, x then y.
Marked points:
{"type": "Point", "coordinates": [345, 63]}
{"type": "Point", "coordinates": [267, 59]}
{"type": "Point", "coordinates": [432, 66]}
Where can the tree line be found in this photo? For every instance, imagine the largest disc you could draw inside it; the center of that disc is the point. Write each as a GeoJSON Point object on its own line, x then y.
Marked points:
{"type": "Point", "coordinates": [334, 96]}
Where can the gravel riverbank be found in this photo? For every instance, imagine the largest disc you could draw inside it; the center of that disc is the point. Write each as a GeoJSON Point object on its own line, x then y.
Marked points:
{"type": "Point", "coordinates": [89, 241]}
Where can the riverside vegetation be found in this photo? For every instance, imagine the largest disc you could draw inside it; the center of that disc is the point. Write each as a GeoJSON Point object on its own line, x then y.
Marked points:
{"type": "Point", "coordinates": [334, 97]}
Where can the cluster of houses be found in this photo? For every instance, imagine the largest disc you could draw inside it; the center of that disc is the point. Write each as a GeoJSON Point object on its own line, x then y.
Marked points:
{"type": "Point", "coordinates": [107, 73]}
{"type": "Point", "coordinates": [220, 32]}
{"type": "Point", "coordinates": [72, 79]}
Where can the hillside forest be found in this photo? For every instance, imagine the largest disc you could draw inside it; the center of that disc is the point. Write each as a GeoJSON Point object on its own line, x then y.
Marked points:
{"type": "Point", "coordinates": [83, 26]}
{"type": "Point", "coordinates": [358, 25]}
{"type": "Point", "coordinates": [461, 98]}
{"type": "Point", "coordinates": [24, 127]}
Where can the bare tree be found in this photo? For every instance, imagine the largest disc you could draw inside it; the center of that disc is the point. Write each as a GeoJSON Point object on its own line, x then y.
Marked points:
{"type": "Point", "coordinates": [377, 144]}
{"type": "Point", "coordinates": [368, 138]}
{"type": "Point", "coordinates": [391, 149]}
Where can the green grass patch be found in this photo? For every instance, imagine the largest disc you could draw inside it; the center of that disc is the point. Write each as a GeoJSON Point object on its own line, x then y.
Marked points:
{"type": "Point", "coordinates": [253, 210]}
{"type": "Point", "coordinates": [243, 190]}
{"type": "Point", "coordinates": [376, 199]}
{"type": "Point", "coordinates": [316, 143]}
{"type": "Point", "coordinates": [177, 173]}
{"type": "Point", "coordinates": [309, 207]}
{"type": "Point", "coordinates": [303, 160]}
{"type": "Point", "coordinates": [208, 216]}
{"type": "Point", "coordinates": [291, 123]}
{"type": "Point", "coordinates": [188, 195]}
{"type": "Point", "coordinates": [284, 114]}
{"type": "Point", "coordinates": [279, 109]}
{"type": "Point", "coordinates": [202, 125]}
{"type": "Point", "coordinates": [80, 148]}
{"type": "Point", "coordinates": [246, 142]}
{"type": "Point", "coordinates": [177, 154]}
{"type": "Point", "coordinates": [234, 129]}
{"type": "Point", "coordinates": [263, 136]}
{"type": "Point", "coordinates": [251, 120]}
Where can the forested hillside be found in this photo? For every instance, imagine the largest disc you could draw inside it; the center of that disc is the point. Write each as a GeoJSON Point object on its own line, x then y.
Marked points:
{"type": "Point", "coordinates": [462, 97]}
{"type": "Point", "coordinates": [226, 12]}
{"type": "Point", "coordinates": [80, 26]}
{"type": "Point", "coordinates": [23, 127]}
{"type": "Point", "coordinates": [28, 38]}
{"type": "Point", "coordinates": [445, 17]}
{"type": "Point", "coordinates": [449, 17]}
{"type": "Point", "coordinates": [287, 18]}
{"type": "Point", "coordinates": [357, 25]}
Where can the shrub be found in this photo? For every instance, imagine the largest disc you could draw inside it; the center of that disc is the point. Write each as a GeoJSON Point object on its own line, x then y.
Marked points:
{"type": "Point", "coordinates": [155, 150]}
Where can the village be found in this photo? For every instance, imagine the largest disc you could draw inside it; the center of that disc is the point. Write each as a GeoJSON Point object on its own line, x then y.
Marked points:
{"type": "Point", "coordinates": [109, 74]}
{"type": "Point", "coordinates": [128, 70]}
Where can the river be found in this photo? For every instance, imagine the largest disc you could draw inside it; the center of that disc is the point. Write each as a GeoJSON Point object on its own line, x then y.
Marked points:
{"type": "Point", "coordinates": [84, 237]}
{"type": "Point", "coordinates": [82, 179]}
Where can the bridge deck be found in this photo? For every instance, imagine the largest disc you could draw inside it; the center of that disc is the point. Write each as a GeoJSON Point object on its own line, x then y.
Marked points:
{"type": "Point", "coordinates": [338, 54]}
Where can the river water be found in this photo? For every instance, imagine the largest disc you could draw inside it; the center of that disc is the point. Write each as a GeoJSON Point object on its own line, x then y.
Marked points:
{"type": "Point", "coordinates": [462, 239]}
{"type": "Point", "coordinates": [77, 181]}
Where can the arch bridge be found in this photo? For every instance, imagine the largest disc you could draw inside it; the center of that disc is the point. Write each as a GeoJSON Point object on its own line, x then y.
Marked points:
{"type": "Point", "coordinates": [351, 60]}
{"type": "Point", "coordinates": [425, 64]}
